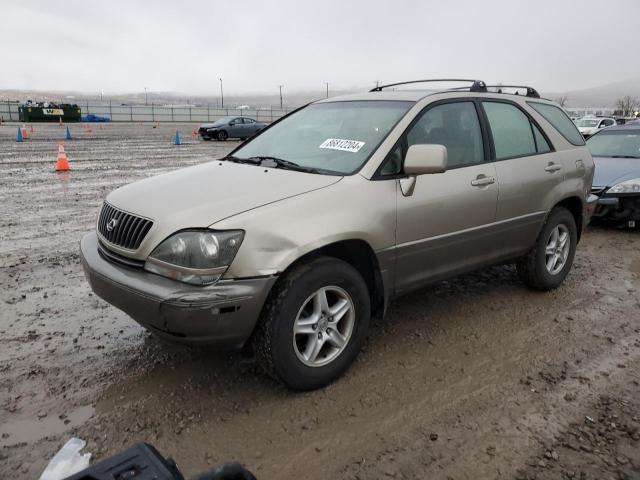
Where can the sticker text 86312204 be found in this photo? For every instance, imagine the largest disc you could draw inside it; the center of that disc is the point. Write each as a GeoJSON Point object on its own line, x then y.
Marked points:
{"type": "Point", "coordinates": [342, 144]}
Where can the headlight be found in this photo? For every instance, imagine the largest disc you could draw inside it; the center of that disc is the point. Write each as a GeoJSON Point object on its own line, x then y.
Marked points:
{"type": "Point", "coordinates": [628, 186]}
{"type": "Point", "coordinates": [199, 257]}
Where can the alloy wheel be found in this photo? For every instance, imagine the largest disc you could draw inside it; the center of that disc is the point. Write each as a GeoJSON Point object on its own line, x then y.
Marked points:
{"type": "Point", "coordinates": [557, 249]}
{"type": "Point", "coordinates": [323, 326]}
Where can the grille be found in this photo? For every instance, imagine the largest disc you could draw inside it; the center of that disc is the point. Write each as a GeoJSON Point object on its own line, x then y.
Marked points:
{"type": "Point", "coordinates": [128, 231]}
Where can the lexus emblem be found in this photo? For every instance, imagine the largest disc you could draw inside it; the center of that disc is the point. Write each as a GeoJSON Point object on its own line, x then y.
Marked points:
{"type": "Point", "coordinates": [112, 224]}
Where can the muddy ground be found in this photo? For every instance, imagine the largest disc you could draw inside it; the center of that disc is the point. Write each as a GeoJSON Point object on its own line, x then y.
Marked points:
{"type": "Point", "coordinates": [477, 377]}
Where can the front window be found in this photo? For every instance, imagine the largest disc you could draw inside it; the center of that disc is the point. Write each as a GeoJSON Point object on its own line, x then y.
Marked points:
{"type": "Point", "coordinates": [334, 137]}
{"type": "Point", "coordinates": [620, 143]}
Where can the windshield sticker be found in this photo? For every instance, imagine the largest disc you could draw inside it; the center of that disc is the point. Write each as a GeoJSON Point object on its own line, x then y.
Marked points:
{"type": "Point", "coordinates": [342, 144]}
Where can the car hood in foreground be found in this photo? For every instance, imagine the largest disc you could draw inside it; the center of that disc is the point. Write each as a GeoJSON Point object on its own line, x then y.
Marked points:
{"type": "Point", "coordinates": [196, 197]}
{"type": "Point", "coordinates": [610, 171]}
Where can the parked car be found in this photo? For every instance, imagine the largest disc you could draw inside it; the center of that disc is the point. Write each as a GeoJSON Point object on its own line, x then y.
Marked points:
{"type": "Point", "coordinates": [293, 241]}
{"type": "Point", "coordinates": [590, 126]}
{"type": "Point", "coordinates": [616, 153]}
{"type": "Point", "coordinates": [230, 127]}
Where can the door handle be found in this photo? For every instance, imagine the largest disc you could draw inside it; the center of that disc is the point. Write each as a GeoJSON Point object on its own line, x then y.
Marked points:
{"type": "Point", "coordinates": [552, 167]}
{"type": "Point", "coordinates": [482, 181]}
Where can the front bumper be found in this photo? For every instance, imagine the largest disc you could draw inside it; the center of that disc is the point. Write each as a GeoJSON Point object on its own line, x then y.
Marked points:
{"type": "Point", "coordinates": [223, 314]}
{"type": "Point", "coordinates": [621, 208]}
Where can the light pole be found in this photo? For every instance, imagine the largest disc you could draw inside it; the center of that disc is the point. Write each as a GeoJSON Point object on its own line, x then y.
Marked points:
{"type": "Point", "coordinates": [280, 87]}
{"type": "Point", "coordinates": [221, 94]}
{"type": "Point", "coordinates": [145, 95]}
{"type": "Point", "coordinates": [327, 85]}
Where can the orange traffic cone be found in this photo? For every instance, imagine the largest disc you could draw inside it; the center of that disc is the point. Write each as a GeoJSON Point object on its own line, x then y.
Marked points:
{"type": "Point", "coordinates": [194, 134]}
{"type": "Point", "coordinates": [62, 163]}
{"type": "Point", "coordinates": [24, 132]}
{"type": "Point", "coordinates": [30, 128]}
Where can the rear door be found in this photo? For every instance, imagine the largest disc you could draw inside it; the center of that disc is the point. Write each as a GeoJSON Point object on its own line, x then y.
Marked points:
{"type": "Point", "coordinates": [444, 225]}
{"type": "Point", "coordinates": [236, 128]}
{"type": "Point", "coordinates": [250, 126]}
{"type": "Point", "coordinates": [528, 170]}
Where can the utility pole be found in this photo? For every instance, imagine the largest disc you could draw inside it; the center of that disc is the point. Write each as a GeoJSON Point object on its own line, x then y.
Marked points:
{"type": "Point", "coordinates": [280, 87]}
{"type": "Point", "coordinates": [221, 94]}
{"type": "Point", "coordinates": [145, 95]}
{"type": "Point", "coordinates": [327, 85]}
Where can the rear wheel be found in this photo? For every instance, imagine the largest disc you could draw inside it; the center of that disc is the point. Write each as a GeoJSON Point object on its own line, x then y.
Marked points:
{"type": "Point", "coordinates": [222, 135]}
{"type": "Point", "coordinates": [547, 264]}
{"type": "Point", "coordinates": [314, 324]}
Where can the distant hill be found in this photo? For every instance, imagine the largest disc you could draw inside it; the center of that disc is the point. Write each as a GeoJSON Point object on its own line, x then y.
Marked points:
{"type": "Point", "coordinates": [602, 96]}
{"type": "Point", "coordinates": [254, 100]}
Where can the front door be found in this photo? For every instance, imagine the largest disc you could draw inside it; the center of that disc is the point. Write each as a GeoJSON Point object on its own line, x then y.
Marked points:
{"type": "Point", "coordinates": [444, 226]}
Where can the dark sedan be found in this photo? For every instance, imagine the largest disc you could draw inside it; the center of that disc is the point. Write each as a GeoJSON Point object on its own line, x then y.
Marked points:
{"type": "Point", "coordinates": [616, 153]}
{"type": "Point", "coordinates": [230, 127]}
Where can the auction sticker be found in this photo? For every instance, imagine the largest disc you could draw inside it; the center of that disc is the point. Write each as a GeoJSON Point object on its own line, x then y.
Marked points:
{"type": "Point", "coordinates": [342, 144]}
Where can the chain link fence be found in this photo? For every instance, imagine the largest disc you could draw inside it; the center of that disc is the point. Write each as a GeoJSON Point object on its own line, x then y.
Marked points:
{"type": "Point", "coordinates": [158, 113]}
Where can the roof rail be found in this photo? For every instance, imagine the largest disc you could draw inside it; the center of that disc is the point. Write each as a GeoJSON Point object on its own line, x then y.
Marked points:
{"type": "Point", "coordinates": [531, 92]}
{"type": "Point", "coordinates": [476, 85]}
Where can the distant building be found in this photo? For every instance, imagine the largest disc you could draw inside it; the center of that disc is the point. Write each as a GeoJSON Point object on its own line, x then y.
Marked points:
{"type": "Point", "coordinates": [590, 111]}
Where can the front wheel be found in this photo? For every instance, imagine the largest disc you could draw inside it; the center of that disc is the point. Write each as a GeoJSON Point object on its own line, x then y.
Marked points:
{"type": "Point", "coordinates": [547, 264]}
{"type": "Point", "coordinates": [314, 324]}
{"type": "Point", "coordinates": [222, 136]}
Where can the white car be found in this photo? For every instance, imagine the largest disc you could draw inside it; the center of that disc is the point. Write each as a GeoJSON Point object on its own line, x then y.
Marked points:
{"type": "Point", "coordinates": [591, 126]}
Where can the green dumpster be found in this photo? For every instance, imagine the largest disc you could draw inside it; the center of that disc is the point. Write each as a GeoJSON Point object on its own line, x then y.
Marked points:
{"type": "Point", "coordinates": [50, 113]}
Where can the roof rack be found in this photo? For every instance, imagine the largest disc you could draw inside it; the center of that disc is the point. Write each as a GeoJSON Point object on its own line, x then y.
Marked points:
{"type": "Point", "coordinates": [476, 85]}
{"type": "Point", "coordinates": [531, 92]}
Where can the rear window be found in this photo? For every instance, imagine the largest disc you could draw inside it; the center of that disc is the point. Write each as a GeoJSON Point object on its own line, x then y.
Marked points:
{"type": "Point", "coordinates": [560, 120]}
{"type": "Point", "coordinates": [511, 130]}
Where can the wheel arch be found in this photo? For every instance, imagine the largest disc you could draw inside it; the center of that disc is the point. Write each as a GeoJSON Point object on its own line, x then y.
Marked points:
{"type": "Point", "coordinates": [359, 254]}
{"type": "Point", "coordinates": [575, 206]}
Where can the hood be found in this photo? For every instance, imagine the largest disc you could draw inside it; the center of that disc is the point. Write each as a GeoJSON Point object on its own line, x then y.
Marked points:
{"type": "Point", "coordinates": [198, 196]}
{"type": "Point", "coordinates": [610, 171]}
{"type": "Point", "coordinates": [206, 125]}
{"type": "Point", "coordinates": [587, 130]}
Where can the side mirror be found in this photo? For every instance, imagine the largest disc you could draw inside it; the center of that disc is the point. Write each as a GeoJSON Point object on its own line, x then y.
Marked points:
{"type": "Point", "coordinates": [425, 158]}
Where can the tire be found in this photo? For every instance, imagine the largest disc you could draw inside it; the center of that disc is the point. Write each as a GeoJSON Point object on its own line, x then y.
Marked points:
{"type": "Point", "coordinates": [281, 352]}
{"type": "Point", "coordinates": [533, 268]}
{"type": "Point", "coordinates": [222, 136]}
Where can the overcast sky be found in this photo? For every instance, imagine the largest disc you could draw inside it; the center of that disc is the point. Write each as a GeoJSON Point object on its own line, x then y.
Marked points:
{"type": "Point", "coordinates": [185, 46]}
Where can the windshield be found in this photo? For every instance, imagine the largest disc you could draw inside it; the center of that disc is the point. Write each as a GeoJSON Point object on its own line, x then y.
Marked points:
{"type": "Point", "coordinates": [588, 123]}
{"type": "Point", "coordinates": [615, 144]}
{"type": "Point", "coordinates": [336, 137]}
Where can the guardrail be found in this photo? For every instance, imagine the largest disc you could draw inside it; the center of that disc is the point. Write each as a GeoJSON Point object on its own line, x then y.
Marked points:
{"type": "Point", "coordinates": [158, 113]}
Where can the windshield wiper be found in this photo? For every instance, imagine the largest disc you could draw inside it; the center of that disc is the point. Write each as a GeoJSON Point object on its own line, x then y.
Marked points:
{"type": "Point", "coordinates": [251, 161]}
{"type": "Point", "coordinates": [285, 164]}
{"type": "Point", "coordinates": [624, 156]}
